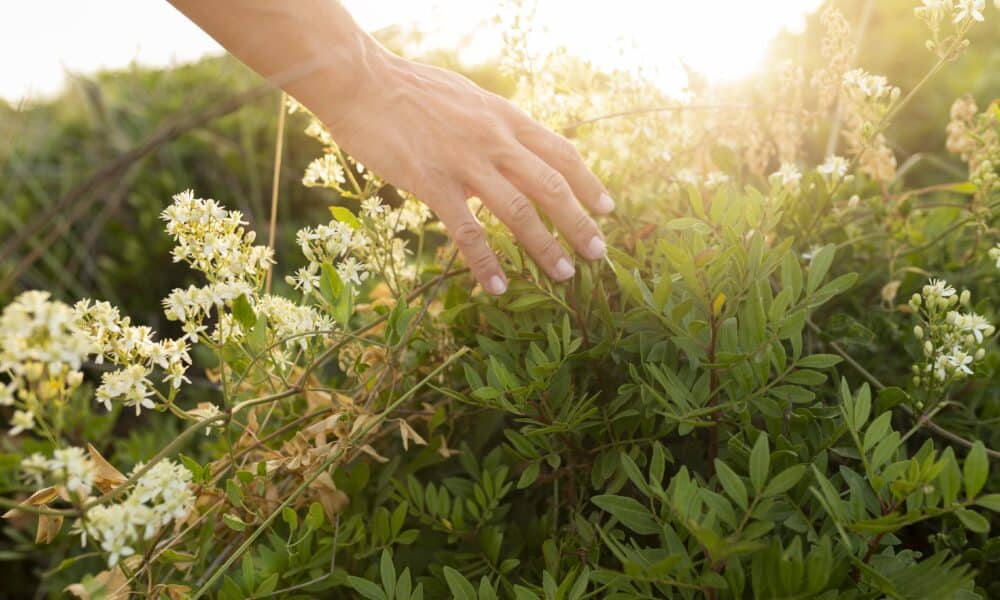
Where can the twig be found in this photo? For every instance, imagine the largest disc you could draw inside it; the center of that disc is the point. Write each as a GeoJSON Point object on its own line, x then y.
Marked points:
{"type": "Point", "coordinates": [272, 230]}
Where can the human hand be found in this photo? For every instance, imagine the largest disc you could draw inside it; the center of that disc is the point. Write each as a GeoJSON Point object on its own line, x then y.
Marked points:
{"type": "Point", "coordinates": [439, 136]}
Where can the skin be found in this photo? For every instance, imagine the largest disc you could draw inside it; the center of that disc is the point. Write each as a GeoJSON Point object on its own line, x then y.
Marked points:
{"type": "Point", "coordinates": [426, 130]}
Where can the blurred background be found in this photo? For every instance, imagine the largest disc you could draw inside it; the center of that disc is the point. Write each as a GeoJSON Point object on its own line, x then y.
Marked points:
{"type": "Point", "coordinates": [109, 108]}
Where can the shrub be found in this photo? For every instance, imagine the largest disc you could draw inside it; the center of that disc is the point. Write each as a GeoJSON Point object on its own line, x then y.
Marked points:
{"type": "Point", "coordinates": [708, 413]}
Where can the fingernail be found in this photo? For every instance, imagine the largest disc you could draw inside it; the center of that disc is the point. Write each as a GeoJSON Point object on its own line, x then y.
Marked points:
{"type": "Point", "coordinates": [605, 204]}
{"type": "Point", "coordinates": [497, 285]}
{"type": "Point", "coordinates": [596, 248]}
{"type": "Point", "coordinates": [564, 269]}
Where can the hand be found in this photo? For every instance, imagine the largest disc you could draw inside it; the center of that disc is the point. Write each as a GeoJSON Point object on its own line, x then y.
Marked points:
{"type": "Point", "coordinates": [437, 135]}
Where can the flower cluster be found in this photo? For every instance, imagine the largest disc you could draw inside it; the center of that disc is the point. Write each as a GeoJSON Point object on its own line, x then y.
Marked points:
{"type": "Point", "coordinates": [949, 22]}
{"type": "Point", "coordinates": [868, 100]}
{"type": "Point", "coordinates": [214, 241]}
{"type": "Point", "coordinates": [974, 136]}
{"type": "Point", "coordinates": [41, 353]}
{"type": "Point", "coordinates": [69, 467]}
{"type": "Point", "coordinates": [160, 496]}
{"type": "Point", "coordinates": [359, 247]}
{"type": "Point", "coordinates": [953, 340]}
{"type": "Point", "coordinates": [132, 348]}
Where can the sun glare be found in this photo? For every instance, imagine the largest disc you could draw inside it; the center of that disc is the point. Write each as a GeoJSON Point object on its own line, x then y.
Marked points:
{"type": "Point", "coordinates": [722, 40]}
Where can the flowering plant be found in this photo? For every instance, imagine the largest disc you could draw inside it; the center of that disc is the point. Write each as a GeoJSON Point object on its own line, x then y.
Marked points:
{"type": "Point", "coordinates": [715, 411]}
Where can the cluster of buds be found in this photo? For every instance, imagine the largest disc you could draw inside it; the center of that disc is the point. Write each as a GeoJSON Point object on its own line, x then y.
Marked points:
{"type": "Point", "coordinates": [949, 22]}
{"type": "Point", "coordinates": [953, 337]}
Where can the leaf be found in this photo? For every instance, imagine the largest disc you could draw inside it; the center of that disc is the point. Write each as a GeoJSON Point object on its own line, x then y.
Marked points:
{"type": "Point", "coordinates": [819, 361]}
{"type": "Point", "coordinates": [529, 475]}
{"type": "Point", "coordinates": [388, 573]}
{"type": "Point", "coordinates": [818, 267]}
{"type": "Point", "coordinates": [330, 284]}
{"type": "Point", "coordinates": [344, 215]}
{"type": "Point", "coordinates": [877, 430]}
{"type": "Point", "coordinates": [243, 313]}
{"type": "Point", "coordinates": [975, 470]}
{"type": "Point", "coordinates": [973, 521]}
{"type": "Point", "coordinates": [629, 512]}
{"type": "Point", "coordinates": [862, 407]}
{"type": "Point", "coordinates": [732, 484]}
{"type": "Point", "coordinates": [989, 501]}
{"type": "Point", "coordinates": [366, 588]}
{"type": "Point", "coordinates": [760, 462]}
{"type": "Point", "coordinates": [785, 480]}
{"type": "Point", "coordinates": [233, 522]}
{"type": "Point", "coordinates": [460, 587]}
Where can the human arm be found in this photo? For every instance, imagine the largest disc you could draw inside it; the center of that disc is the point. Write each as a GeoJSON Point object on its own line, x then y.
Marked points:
{"type": "Point", "coordinates": [426, 130]}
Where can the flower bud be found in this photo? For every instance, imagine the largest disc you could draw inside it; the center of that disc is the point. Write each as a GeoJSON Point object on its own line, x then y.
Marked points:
{"type": "Point", "coordinates": [928, 347]}
{"type": "Point", "coordinates": [918, 331]}
{"type": "Point", "coordinates": [965, 297]}
{"type": "Point", "coordinates": [980, 354]}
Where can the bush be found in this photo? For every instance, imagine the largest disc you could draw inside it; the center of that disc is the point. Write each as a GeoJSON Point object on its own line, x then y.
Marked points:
{"type": "Point", "coordinates": [768, 389]}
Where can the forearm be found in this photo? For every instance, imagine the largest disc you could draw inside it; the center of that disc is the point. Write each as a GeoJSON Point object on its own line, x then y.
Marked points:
{"type": "Point", "coordinates": [312, 49]}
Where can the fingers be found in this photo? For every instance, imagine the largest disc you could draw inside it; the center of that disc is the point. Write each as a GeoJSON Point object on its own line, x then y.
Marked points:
{"type": "Point", "coordinates": [470, 239]}
{"type": "Point", "coordinates": [512, 207]}
{"type": "Point", "coordinates": [562, 156]}
{"type": "Point", "coordinates": [555, 197]}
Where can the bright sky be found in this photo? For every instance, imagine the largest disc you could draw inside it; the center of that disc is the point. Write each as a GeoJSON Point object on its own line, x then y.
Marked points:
{"type": "Point", "coordinates": [41, 39]}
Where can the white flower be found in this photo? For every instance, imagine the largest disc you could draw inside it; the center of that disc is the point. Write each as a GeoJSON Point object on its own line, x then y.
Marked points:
{"type": "Point", "coordinates": [975, 325]}
{"type": "Point", "coordinates": [715, 179]}
{"type": "Point", "coordinates": [788, 176]}
{"type": "Point", "coordinates": [72, 466]}
{"type": "Point", "coordinates": [22, 420]}
{"type": "Point", "coordinates": [131, 384]}
{"type": "Point", "coordinates": [834, 168]}
{"type": "Point", "coordinates": [372, 207]}
{"type": "Point", "coordinates": [958, 361]}
{"type": "Point", "coordinates": [969, 9]}
{"type": "Point", "coordinates": [938, 288]}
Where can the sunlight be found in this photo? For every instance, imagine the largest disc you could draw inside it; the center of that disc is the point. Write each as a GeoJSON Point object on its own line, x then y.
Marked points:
{"type": "Point", "coordinates": [723, 40]}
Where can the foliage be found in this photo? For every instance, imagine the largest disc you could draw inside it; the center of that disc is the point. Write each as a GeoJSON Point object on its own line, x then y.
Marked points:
{"type": "Point", "coordinates": [735, 404]}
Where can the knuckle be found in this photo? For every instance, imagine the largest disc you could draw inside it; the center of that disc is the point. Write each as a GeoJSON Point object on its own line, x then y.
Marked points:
{"type": "Point", "coordinates": [564, 150]}
{"type": "Point", "coordinates": [550, 247]}
{"type": "Point", "coordinates": [481, 261]}
{"type": "Point", "coordinates": [552, 183]}
{"type": "Point", "coordinates": [584, 223]}
{"type": "Point", "coordinates": [468, 234]}
{"type": "Point", "coordinates": [521, 210]}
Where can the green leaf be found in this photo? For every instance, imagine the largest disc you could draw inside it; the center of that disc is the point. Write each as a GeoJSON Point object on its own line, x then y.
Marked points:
{"type": "Point", "coordinates": [785, 480]}
{"type": "Point", "coordinates": [330, 284]}
{"type": "Point", "coordinates": [760, 462]}
{"type": "Point", "coordinates": [267, 586]}
{"type": "Point", "coordinates": [460, 587]}
{"type": "Point", "coordinates": [529, 475]}
{"type": "Point", "coordinates": [290, 517]}
{"type": "Point", "coordinates": [388, 573]}
{"type": "Point", "coordinates": [975, 470]}
{"type": "Point", "coordinates": [819, 361]}
{"type": "Point", "coordinates": [973, 521]}
{"type": "Point", "coordinates": [314, 518]}
{"type": "Point", "coordinates": [344, 215]}
{"type": "Point", "coordinates": [233, 522]}
{"type": "Point", "coordinates": [366, 588]}
{"type": "Point", "coordinates": [629, 512]}
{"type": "Point", "coordinates": [243, 313]}
{"type": "Point", "coordinates": [989, 501]}
{"type": "Point", "coordinates": [732, 484]}
{"type": "Point", "coordinates": [818, 267]}
{"type": "Point", "coordinates": [862, 407]}
{"type": "Point", "coordinates": [249, 578]}
{"type": "Point", "coordinates": [877, 430]}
